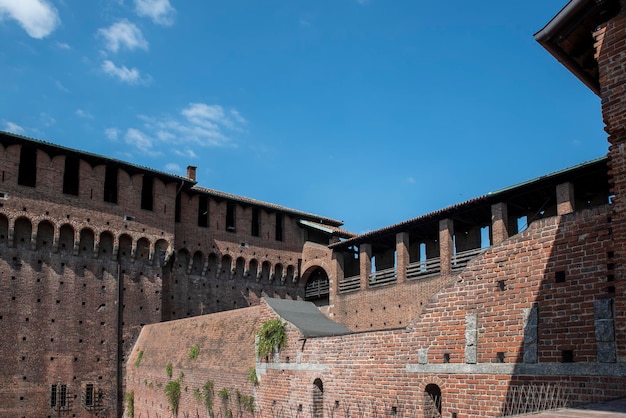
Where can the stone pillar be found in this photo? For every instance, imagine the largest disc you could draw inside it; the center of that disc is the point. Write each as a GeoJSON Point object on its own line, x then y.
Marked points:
{"type": "Point", "coordinates": [338, 270]}
{"type": "Point", "coordinates": [402, 255]}
{"type": "Point", "coordinates": [365, 264]}
{"type": "Point", "coordinates": [564, 198]}
{"type": "Point", "coordinates": [499, 223]}
{"type": "Point", "coordinates": [446, 244]}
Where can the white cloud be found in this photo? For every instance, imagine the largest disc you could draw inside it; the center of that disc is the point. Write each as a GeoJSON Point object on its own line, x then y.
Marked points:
{"type": "Point", "coordinates": [123, 34]}
{"type": "Point", "coordinates": [160, 11]}
{"type": "Point", "coordinates": [138, 139]}
{"type": "Point", "coordinates": [83, 114]}
{"type": "Point", "coordinates": [125, 74]}
{"type": "Point", "coordinates": [39, 18]}
{"type": "Point", "coordinates": [187, 153]}
{"type": "Point", "coordinates": [197, 125]}
{"type": "Point", "coordinates": [173, 168]}
{"type": "Point", "coordinates": [112, 133]}
{"type": "Point", "coordinates": [63, 45]}
{"type": "Point", "coordinates": [13, 127]}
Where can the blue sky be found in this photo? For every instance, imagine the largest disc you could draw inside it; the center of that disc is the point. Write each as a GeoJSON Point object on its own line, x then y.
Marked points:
{"type": "Point", "coordinates": [367, 111]}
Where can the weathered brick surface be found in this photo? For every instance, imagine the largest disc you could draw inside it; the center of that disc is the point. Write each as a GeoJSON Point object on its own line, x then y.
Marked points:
{"type": "Point", "coordinates": [370, 373]}
{"type": "Point", "coordinates": [225, 344]}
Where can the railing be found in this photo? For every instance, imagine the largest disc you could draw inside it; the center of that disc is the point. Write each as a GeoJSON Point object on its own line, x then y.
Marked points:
{"type": "Point", "coordinates": [423, 268]}
{"type": "Point", "coordinates": [349, 284]}
{"type": "Point", "coordinates": [382, 277]}
{"type": "Point", "coordinates": [316, 289]}
{"type": "Point", "coordinates": [460, 260]}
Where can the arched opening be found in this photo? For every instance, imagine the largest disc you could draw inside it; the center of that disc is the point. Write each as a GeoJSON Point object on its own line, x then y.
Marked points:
{"type": "Point", "coordinates": [317, 287]}
{"type": "Point", "coordinates": [4, 229]}
{"type": "Point", "coordinates": [105, 246]}
{"type": "Point", "coordinates": [226, 267]}
{"type": "Point", "coordinates": [432, 401]}
{"type": "Point", "coordinates": [265, 271]}
{"type": "Point", "coordinates": [278, 272]}
{"type": "Point", "coordinates": [86, 242]}
{"type": "Point", "coordinates": [240, 266]}
{"type": "Point", "coordinates": [197, 264]}
{"type": "Point", "coordinates": [182, 260]}
{"type": "Point", "coordinates": [143, 250]}
{"type": "Point", "coordinates": [45, 235]}
{"type": "Point", "coordinates": [125, 247]}
{"type": "Point", "coordinates": [66, 239]}
{"type": "Point", "coordinates": [253, 269]}
{"type": "Point", "coordinates": [22, 232]}
{"type": "Point", "coordinates": [212, 272]}
{"type": "Point", "coordinates": [160, 252]}
{"type": "Point", "coordinates": [318, 399]}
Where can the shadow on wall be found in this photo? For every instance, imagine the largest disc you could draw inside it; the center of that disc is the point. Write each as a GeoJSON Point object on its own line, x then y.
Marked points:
{"type": "Point", "coordinates": [568, 352]}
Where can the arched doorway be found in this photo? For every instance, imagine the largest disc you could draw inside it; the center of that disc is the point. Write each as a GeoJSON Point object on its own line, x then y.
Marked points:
{"type": "Point", "coordinates": [432, 401]}
{"type": "Point", "coordinates": [318, 399]}
{"type": "Point", "coordinates": [317, 287]}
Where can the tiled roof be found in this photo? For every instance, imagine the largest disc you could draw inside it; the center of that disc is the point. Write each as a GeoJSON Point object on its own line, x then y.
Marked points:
{"type": "Point", "coordinates": [271, 206]}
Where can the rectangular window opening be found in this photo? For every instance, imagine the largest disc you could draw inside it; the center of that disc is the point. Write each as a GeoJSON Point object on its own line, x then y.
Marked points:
{"type": "Point", "coordinates": [89, 395]}
{"type": "Point", "coordinates": [255, 231]}
{"type": "Point", "coordinates": [147, 192]}
{"type": "Point", "coordinates": [27, 173]}
{"type": "Point", "coordinates": [280, 220]}
{"type": "Point", "coordinates": [230, 216]}
{"type": "Point", "coordinates": [203, 211]}
{"type": "Point", "coordinates": [567, 356]}
{"type": "Point", "coordinates": [110, 184]}
{"type": "Point", "coordinates": [62, 396]}
{"type": "Point", "coordinates": [53, 396]}
{"type": "Point", "coordinates": [71, 175]}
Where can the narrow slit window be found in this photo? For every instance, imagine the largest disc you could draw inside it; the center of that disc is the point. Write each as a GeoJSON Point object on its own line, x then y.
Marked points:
{"type": "Point", "coordinates": [230, 216]}
{"type": "Point", "coordinates": [255, 230]}
{"type": "Point", "coordinates": [53, 396]}
{"type": "Point", "coordinates": [89, 395]}
{"type": "Point", "coordinates": [280, 220]}
{"type": "Point", "coordinates": [71, 175]}
{"type": "Point", "coordinates": [27, 173]}
{"type": "Point", "coordinates": [147, 193]}
{"type": "Point", "coordinates": [62, 396]}
{"type": "Point", "coordinates": [110, 185]}
{"type": "Point", "coordinates": [203, 211]}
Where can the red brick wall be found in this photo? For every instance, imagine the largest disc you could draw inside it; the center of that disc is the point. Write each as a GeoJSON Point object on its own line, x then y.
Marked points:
{"type": "Point", "coordinates": [611, 54]}
{"type": "Point", "coordinates": [372, 372]}
{"type": "Point", "coordinates": [225, 344]}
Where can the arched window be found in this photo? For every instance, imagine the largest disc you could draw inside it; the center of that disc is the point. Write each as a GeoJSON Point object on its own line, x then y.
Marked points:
{"type": "Point", "coordinates": [432, 401]}
{"type": "Point", "coordinates": [317, 287]}
{"type": "Point", "coordinates": [318, 399]}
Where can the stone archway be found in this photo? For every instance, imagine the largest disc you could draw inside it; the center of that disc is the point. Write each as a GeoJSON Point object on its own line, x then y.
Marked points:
{"type": "Point", "coordinates": [317, 287]}
{"type": "Point", "coordinates": [432, 401]}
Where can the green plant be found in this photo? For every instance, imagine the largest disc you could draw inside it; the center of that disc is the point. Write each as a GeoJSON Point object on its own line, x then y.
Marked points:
{"type": "Point", "coordinates": [139, 357]}
{"type": "Point", "coordinates": [129, 397]}
{"type": "Point", "coordinates": [208, 394]}
{"type": "Point", "coordinates": [272, 336]}
{"type": "Point", "coordinates": [181, 376]}
{"type": "Point", "coordinates": [197, 395]}
{"type": "Point", "coordinates": [224, 394]}
{"type": "Point", "coordinates": [247, 402]}
{"type": "Point", "coordinates": [252, 377]}
{"type": "Point", "coordinates": [193, 353]}
{"type": "Point", "coordinates": [172, 391]}
{"type": "Point", "coordinates": [168, 370]}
